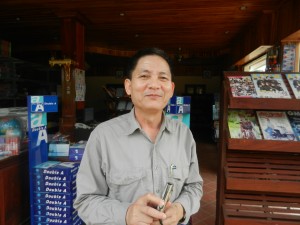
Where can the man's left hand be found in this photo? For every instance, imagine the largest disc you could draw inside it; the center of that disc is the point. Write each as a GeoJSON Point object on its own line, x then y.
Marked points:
{"type": "Point", "coordinates": [174, 213]}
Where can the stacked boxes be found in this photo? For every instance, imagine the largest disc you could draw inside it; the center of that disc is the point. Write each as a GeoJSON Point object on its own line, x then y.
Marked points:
{"type": "Point", "coordinates": [54, 186]}
{"type": "Point", "coordinates": [76, 151]}
{"type": "Point", "coordinates": [179, 108]}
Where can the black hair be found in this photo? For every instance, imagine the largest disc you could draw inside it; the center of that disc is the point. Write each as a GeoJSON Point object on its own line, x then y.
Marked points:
{"type": "Point", "coordinates": [145, 52]}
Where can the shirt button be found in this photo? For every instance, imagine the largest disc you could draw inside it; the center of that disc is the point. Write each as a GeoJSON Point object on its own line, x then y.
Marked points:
{"type": "Point", "coordinates": [157, 191]}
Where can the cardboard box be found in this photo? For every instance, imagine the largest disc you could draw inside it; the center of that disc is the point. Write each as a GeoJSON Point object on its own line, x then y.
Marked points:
{"type": "Point", "coordinates": [58, 149]}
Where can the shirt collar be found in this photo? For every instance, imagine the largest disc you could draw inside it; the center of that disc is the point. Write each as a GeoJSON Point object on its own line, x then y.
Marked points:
{"type": "Point", "coordinates": [134, 124]}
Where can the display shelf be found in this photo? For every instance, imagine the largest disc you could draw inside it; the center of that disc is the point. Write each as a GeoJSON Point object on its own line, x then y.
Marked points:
{"type": "Point", "coordinates": [117, 101]}
{"type": "Point", "coordinates": [249, 209]}
{"type": "Point", "coordinates": [263, 145]}
{"type": "Point", "coordinates": [251, 167]}
{"type": "Point", "coordinates": [260, 103]}
{"type": "Point", "coordinates": [263, 173]}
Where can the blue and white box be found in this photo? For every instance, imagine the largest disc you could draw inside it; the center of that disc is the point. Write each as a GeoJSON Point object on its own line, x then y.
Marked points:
{"type": "Point", "coordinates": [179, 108]}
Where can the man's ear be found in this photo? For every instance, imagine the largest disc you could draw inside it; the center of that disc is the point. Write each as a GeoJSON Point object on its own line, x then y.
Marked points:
{"type": "Point", "coordinates": [127, 85]}
{"type": "Point", "coordinates": [173, 88]}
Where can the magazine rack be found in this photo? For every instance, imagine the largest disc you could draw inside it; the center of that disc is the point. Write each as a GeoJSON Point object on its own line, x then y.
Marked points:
{"type": "Point", "coordinates": [258, 180]}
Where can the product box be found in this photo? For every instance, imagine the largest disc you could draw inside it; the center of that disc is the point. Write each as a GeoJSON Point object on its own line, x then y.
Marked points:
{"type": "Point", "coordinates": [44, 178]}
{"type": "Point", "coordinates": [56, 168]}
{"type": "Point", "coordinates": [180, 100]}
{"type": "Point", "coordinates": [63, 186]}
{"type": "Point", "coordinates": [57, 220]}
{"type": "Point", "coordinates": [75, 157]}
{"type": "Point", "coordinates": [179, 108]}
{"type": "Point", "coordinates": [54, 211]}
{"type": "Point", "coordinates": [55, 189]}
{"type": "Point", "coordinates": [40, 203]}
{"type": "Point", "coordinates": [58, 149]}
{"type": "Point", "coordinates": [184, 118]}
{"type": "Point", "coordinates": [54, 192]}
{"type": "Point", "coordinates": [54, 196]}
{"type": "Point", "coordinates": [76, 151]}
{"type": "Point", "coordinates": [77, 148]}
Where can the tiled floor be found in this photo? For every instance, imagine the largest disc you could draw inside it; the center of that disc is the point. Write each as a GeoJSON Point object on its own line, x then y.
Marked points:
{"type": "Point", "coordinates": [207, 156]}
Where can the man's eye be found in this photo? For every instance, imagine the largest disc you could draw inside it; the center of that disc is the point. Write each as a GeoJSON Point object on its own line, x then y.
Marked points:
{"type": "Point", "coordinates": [164, 78]}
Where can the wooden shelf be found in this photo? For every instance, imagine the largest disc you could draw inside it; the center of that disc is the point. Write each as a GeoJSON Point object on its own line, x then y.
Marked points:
{"type": "Point", "coordinates": [263, 173]}
{"type": "Point", "coordinates": [261, 210]}
{"type": "Point", "coordinates": [264, 103]}
{"type": "Point", "coordinates": [263, 145]}
{"type": "Point", "coordinates": [251, 169]}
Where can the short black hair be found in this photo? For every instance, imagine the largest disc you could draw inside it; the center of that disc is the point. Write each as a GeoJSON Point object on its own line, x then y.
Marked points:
{"type": "Point", "coordinates": [145, 52]}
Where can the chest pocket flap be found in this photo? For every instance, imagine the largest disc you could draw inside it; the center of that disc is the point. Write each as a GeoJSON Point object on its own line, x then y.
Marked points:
{"type": "Point", "coordinates": [125, 177]}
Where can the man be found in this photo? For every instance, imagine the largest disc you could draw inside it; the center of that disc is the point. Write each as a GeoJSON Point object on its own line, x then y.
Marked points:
{"type": "Point", "coordinates": [129, 159]}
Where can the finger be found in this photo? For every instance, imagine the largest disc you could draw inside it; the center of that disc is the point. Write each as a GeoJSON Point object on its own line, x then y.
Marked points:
{"type": "Point", "coordinates": [168, 204]}
{"type": "Point", "coordinates": [152, 212]}
{"type": "Point", "coordinates": [172, 215]}
{"type": "Point", "coordinates": [150, 199]}
{"type": "Point", "coordinates": [135, 215]}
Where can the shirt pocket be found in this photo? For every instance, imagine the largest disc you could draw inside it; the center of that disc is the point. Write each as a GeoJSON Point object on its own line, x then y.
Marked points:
{"type": "Point", "coordinates": [127, 185]}
{"type": "Point", "coordinates": [179, 177]}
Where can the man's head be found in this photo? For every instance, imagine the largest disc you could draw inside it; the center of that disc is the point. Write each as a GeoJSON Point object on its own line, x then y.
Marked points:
{"type": "Point", "coordinates": [150, 80]}
{"type": "Point", "coordinates": [144, 52]}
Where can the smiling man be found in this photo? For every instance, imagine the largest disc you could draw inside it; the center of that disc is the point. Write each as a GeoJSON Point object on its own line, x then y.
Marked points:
{"type": "Point", "coordinates": [129, 160]}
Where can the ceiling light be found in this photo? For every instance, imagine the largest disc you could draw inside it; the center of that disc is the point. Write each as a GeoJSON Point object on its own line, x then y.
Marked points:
{"type": "Point", "coordinates": [122, 14]}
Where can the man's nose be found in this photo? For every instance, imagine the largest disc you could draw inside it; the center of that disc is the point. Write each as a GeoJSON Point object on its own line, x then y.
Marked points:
{"type": "Point", "coordinates": [154, 82]}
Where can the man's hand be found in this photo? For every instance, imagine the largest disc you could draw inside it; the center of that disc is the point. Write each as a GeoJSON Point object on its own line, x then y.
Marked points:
{"type": "Point", "coordinates": [174, 213]}
{"type": "Point", "coordinates": [143, 211]}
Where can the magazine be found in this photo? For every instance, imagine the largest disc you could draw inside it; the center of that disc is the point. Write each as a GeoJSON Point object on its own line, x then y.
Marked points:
{"type": "Point", "coordinates": [294, 81]}
{"type": "Point", "coordinates": [270, 86]}
{"type": "Point", "coordinates": [275, 125]}
{"type": "Point", "coordinates": [242, 86]}
{"type": "Point", "coordinates": [243, 124]}
{"type": "Point", "coordinates": [294, 118]}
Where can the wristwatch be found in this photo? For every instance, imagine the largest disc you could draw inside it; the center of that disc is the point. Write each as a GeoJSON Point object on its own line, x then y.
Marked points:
{"type": "Point", "coordinates": [184, 217]}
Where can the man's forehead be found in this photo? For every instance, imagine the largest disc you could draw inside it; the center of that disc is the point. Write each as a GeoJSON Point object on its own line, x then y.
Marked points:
{"type": "Point", "coordinates": [152, 64]}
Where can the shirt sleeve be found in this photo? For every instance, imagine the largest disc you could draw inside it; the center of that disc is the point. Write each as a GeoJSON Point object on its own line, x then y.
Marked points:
{"type": "Point", "coordinates": [92, 203]}
{"type": "Point", "coordinates": [192, 191]}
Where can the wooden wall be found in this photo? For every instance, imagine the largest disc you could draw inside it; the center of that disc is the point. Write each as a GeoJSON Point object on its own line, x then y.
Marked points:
{"type": "Point", "coordinates": [269, 29]}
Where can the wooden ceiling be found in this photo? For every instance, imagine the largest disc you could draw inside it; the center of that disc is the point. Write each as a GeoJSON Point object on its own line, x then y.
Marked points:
{"type": "Point", "coordinates": [194, 26]}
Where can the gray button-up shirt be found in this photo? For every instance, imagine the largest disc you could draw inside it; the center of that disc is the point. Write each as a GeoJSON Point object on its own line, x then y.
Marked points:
{"type": "Point", "coordinates": [121, 163]}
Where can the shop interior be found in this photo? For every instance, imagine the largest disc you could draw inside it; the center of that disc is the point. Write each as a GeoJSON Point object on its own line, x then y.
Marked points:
{"type": "Point", "coordinates": [78, 51]}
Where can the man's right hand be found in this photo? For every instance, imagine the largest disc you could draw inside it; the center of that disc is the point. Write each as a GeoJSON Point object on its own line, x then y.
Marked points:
{"type": "Point", "coordinates": [143, 211]}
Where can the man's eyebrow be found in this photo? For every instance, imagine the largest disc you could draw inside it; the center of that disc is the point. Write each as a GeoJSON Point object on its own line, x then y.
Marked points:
{"type": "Point", "coordinates": [144, 71]}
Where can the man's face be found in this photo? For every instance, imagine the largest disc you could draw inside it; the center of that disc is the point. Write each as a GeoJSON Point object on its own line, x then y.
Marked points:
{"type": "Point", "coordinates": [151, 86]}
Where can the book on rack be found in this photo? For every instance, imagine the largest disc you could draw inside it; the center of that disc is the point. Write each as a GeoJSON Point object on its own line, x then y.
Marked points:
{"type": "Point", "coordinates": [294, 81]}
{"type": "Point", "coordinates": [242, 86]}
{"type": "Point", "coordinates": [243, 124]}
{"type": "Point", "coordinates": [294, 118]}
{"type": "Point", "coordinates": [270, 86]}
{"type": "Point", "coordinates": [275, 125]}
